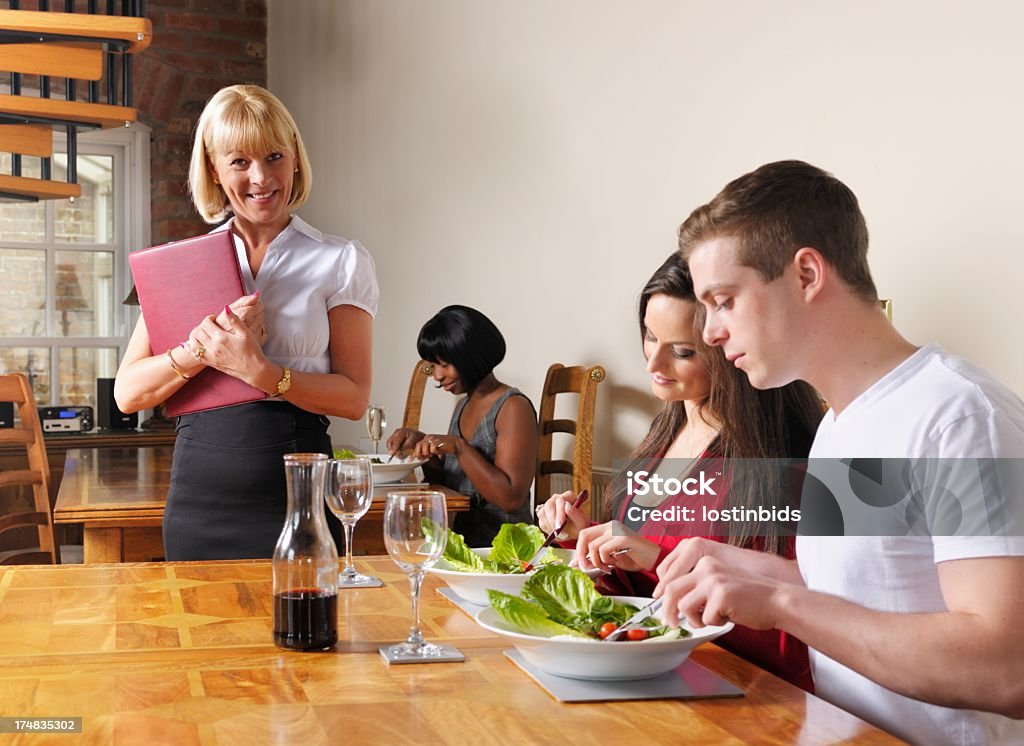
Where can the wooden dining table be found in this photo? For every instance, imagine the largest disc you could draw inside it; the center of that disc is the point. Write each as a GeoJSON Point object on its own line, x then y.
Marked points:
{"type": "Point", "coordinates": [182, 653]}
{"type": "Point", "coordinates": [118, 496]}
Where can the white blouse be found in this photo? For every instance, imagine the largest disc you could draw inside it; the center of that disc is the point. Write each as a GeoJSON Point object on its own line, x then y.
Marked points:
{"type": "Point", "coordinates": [304, 275]}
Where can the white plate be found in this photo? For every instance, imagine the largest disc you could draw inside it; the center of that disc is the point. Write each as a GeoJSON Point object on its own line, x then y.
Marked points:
{"type": "Point", "coordinates": [391, 473]}
{"type": "Point", "coordinates": [599, 660]}
{"type": "Point", "coordinates": [473, 586]}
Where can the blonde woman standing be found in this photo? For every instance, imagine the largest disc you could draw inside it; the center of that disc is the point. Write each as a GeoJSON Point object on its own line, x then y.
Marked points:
{"type": "Point", "coordinates": [302, 334]}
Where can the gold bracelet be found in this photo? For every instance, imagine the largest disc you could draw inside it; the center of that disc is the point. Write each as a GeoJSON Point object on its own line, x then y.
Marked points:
{"type": "Point", "coordinates": [174, 365]}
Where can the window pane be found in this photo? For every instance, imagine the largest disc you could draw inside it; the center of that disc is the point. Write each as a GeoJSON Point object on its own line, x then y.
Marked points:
{"type": "Point", "coordinates": [34, 362]}
{"type": "Point", "coordinates": [23, 299]}
{"type": "Point", "coordinates": [22, 221]}
{"type": "Point", "coordinates": [84, 294]}
{"type": "Point", "coordinates": [90, 218]}
{"type": "Point", "coordinates": [79, 369]}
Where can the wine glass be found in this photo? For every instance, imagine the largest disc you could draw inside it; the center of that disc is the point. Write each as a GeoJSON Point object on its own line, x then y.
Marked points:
{"type": "Point", "coordinates": [348, 490]}
{"type": "Point", "coordinates": [415, 533]}
{"type": "Point", "coordinates": [375, 424]}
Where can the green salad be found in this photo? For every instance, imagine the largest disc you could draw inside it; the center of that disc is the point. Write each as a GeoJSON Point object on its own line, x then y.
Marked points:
{"type": "Point", "coordinates": [512, 548]}
{"type": "Point", "coordinates": [559, 600]}
{"type": "Point", "coordinates": [346, 453]}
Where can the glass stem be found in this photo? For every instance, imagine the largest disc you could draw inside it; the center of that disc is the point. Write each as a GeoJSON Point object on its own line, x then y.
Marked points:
{"type": "Point", "coordinates": [349, 528]}
{"type": "Point", "coordinates": [415, 635]}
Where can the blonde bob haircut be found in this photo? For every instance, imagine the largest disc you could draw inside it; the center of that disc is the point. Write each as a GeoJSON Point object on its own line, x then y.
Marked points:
{"type": "Point", "coordinates": [245, 118]}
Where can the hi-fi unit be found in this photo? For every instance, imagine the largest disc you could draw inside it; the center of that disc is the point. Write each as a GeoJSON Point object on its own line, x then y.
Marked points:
{"type": "Point", "coordinates": [66, 419]}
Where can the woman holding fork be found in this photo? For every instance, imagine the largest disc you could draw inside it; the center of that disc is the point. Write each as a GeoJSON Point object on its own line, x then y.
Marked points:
{"type": "Point", "coordinates": [711, 419]}
{"type": "Point", "coordinates": [490, 449]}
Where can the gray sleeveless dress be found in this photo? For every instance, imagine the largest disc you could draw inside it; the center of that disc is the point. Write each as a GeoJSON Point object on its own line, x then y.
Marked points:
{"type": "Point", "coordinates": [481, 523]}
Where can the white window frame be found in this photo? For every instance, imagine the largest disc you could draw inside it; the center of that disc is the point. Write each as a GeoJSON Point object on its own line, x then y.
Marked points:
{"type": "Point", "coordinates": [129, 148]}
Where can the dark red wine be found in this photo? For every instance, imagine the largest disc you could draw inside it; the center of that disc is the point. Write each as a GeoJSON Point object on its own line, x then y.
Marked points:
{"type": "Point", "coordinates": [305, 619]}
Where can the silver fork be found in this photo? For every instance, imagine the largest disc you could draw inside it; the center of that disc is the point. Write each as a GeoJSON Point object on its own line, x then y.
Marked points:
{"type": "Point", "coordinates": [648, 611]}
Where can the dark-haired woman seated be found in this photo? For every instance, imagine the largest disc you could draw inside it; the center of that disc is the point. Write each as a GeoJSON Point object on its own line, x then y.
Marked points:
{"type": "Point", "coordinates": [490, 449]}
{"type": "Point", "coordinates": [713, 421]}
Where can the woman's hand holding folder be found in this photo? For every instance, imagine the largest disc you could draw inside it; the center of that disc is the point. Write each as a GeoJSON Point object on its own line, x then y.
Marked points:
{"type": "Point", "coordinates": [231, 341]}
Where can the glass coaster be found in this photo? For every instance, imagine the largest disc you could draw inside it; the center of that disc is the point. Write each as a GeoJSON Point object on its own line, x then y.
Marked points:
{"type": "Point", "coordinates": [362, 581]}
{"type": "Point", "coordinates": [446, 654]}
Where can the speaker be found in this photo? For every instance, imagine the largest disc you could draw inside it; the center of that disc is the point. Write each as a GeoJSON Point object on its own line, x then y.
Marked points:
{"type": "Point", "coordinates": [6, 414]}
{"type": "Point", "coordinates": [109, 416]}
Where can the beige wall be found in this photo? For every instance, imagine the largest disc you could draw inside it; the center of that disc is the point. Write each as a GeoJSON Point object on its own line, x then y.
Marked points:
{"type": "Point", "coordinates": [534, 158]}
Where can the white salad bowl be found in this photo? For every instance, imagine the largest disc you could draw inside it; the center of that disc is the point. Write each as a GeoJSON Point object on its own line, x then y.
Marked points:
{"type": "Point", "coordinates": [473, 586]}
{"type": "Point", "coordinates": [390, 473]}
{"type": "Point", "coordinates": [598, 660]}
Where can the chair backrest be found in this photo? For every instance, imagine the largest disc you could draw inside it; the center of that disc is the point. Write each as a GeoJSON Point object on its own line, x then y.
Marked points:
{"type": "Point", "coordinates": [14, 388]}
{"type": "Point", "coordinates": [576, 379]}
{"type": "Point", "coordinates": [421, 373]}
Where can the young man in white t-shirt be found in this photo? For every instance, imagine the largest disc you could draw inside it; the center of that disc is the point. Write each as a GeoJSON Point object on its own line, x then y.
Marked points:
{"type": "Point", "coordinates": [916, 628]}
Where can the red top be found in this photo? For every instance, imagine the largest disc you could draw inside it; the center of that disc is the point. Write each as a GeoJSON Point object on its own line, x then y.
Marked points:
{"type": "Point", "coordinates": [773, 650]}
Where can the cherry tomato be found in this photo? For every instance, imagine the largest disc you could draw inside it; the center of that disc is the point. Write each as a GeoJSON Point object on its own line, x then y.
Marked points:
{"type": "Point", "coordinates": [636, 634]}
{"type": "Point", "coordinates": [607, 628]}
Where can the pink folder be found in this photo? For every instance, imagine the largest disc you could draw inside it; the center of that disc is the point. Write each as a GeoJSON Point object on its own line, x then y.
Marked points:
{"type": "Point", "coordinates": [179, 284]}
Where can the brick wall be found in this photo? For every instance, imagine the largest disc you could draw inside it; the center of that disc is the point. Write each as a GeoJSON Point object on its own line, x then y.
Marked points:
{"type": "Point", "coordinates": [199, 46]}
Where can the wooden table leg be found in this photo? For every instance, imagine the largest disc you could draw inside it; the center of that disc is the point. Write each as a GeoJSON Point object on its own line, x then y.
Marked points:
{"type": "Point", "coordinates": [102, 545]}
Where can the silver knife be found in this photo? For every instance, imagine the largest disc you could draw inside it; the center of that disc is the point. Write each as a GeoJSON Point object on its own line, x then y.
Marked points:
{"type": "Point", "coordinates": [648, 611]}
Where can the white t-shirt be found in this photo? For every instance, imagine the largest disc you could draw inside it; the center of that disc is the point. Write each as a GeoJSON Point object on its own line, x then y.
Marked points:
{"type": "Point", "coordinates": [304, 274]}
{"type": "Point", "coordinates": [932, 406]}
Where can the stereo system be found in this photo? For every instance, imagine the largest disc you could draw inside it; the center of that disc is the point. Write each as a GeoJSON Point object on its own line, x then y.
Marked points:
{"type": "Point", "coordinates": [108, 414]}
{"type": "Point", "coordinates": [66, 419]}
{"type": "Point", "coordinates": [72, 419]}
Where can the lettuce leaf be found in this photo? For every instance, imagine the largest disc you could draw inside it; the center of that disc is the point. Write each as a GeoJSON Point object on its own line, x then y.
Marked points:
{"type": "Point", "coordinates": [565, 593]}
{"type": "Point", "coordinates": [560, 600]}
{"type": "Point", "coordinates": [456, 553]}
{"type": "Point", "coordinates": [514, 544]}
{"type": "Point", "coordinates": [570, 598]}
{"type": "Point", "coordinates": [527, 617]}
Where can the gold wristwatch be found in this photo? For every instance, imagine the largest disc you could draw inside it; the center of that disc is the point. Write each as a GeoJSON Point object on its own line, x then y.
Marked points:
{"type": "Point", "coordinates": [285, 383]}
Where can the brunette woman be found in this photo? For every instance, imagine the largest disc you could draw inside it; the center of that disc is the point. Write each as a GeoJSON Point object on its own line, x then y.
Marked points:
{"type": "Point", "coordinates": [713, 421]}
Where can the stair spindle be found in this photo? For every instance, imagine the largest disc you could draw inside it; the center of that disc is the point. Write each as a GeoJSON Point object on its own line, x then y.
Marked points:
{"type": "Point", "coordinates": [72, 155]}
{"type": "Point", "coordinates": [94, 86]}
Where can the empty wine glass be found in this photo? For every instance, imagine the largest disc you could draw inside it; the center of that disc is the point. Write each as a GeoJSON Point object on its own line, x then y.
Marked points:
{"type": "Point", "coordinates": [376, 421]}
{"type": "Point", "coordinates": [348, 490]}
{"type": "Point", "coordinates": [415, 533]}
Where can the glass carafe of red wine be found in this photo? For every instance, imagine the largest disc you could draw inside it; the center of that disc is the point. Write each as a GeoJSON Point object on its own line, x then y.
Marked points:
{"type": "Point", "coordinates": [305, 561]}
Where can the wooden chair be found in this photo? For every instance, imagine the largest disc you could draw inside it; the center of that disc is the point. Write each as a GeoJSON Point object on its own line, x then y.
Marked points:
{"type": "Point", "coordinates": [14, 388]}
{"type": "Point", "coordinates": [421, 373]}
{"type": "Point", "coordinates": [576, 379]}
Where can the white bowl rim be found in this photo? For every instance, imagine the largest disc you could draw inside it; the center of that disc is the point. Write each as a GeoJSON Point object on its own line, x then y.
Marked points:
{"type": "Point", "coordinates": [696, 635]}
{"type": "Point", "coordinates": [411, 464]}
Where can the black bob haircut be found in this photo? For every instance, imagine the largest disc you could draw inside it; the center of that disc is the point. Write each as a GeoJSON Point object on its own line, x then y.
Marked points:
{"type": "Point", "coordinates": [463, 337]}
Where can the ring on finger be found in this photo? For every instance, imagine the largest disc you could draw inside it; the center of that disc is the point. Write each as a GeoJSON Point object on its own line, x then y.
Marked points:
{"type": "Point", "coordinates": [199, 351]}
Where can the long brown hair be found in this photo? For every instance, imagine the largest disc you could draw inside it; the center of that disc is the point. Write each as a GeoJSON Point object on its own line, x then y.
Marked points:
{"type": "Point", "coordinates": [756, 425]}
